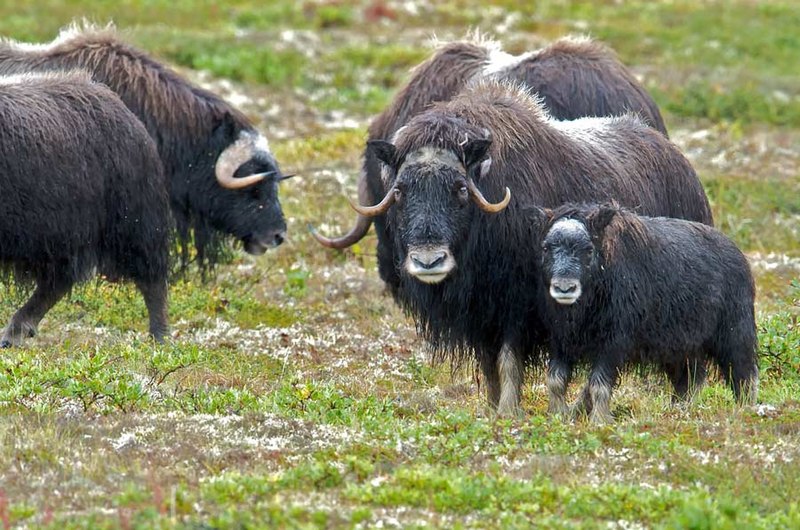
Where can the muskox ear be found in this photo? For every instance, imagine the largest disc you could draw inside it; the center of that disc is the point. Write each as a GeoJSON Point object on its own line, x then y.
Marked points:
{"type": "Point", "coordinates": [475, 152]}
{"type": "Point", "coordinates": [538, 217]}
{"type": "Point", "coordinates": [225, 129]}
{"type": "Point", "coordinates": [599, 220]}
{"type": "Point", "coordinates": [384, 151]}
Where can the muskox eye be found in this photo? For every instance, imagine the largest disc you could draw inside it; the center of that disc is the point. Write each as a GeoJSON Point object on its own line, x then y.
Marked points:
{"type": "Point", "coordinates": [463, 193]}
{"type": "Point", "coordinates": [398, 194]}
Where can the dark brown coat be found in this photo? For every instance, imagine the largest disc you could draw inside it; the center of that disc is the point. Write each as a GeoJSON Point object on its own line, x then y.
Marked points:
{"type": "Point", "coordinates": [191, 127]}
{"type": "Point", "coordinates": [574, 77]}
{"type": "Point", "coordinates": [82, 191]}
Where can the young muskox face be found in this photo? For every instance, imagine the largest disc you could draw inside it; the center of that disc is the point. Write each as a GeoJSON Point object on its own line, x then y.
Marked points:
{"type": "Point", "coordinates": [570, 249]}
{"type": "Point", "coordinates": [567, 256]}
{"type": "Point", "coordinates": [248, 205]}
{"type": "Point", "coordinates": [432, 201]}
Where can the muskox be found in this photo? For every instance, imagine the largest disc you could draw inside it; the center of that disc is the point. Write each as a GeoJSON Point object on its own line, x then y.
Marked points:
{"type": "Point", "coordinates": [222, 177]}
{"type": "Point", "coordinates": [82, 191]}
{"type": "Point", "coordinates": [574, 77]}
{"type": "Point", "coordinates": [463, 263]}
{"type": "Point", "coordinates": [618, 288]}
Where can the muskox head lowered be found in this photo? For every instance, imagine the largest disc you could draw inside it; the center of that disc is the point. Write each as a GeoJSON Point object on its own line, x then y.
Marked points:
{"type": "Point", "coordinates": [248, 205]}
{"type": "Point", "coordinates": [221, 177]}
{"type": "Point", "coordinates": [431, 202]}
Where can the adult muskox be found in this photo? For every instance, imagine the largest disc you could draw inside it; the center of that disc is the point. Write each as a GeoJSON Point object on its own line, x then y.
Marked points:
{"type": "Point", "coordinates": [618, 288]}
{"type": "Point", "coordinates": [574, 77]}
{"type": "Point", "coordinates": [222, 177]}
{"type": "Point", "coordinates": [465, 268]}
{"type": "Point", "coordinates": [82, 191]}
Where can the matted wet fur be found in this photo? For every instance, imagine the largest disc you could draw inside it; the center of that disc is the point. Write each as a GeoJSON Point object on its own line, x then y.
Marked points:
{"type": "Point", "coordinates": [190, 126]}
{"type": "Point", "coordinates": [487, 304]}
{"type": "Point", "coordinates": [82, 191]}
{"type": "Point", "coordinates": [637, 290]}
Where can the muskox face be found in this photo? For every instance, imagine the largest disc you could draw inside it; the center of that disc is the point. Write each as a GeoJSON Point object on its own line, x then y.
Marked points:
{"type": "Point", "coordinates": [567, 256]}
{"type": "Point", "coordinates": [247, 207]}
{"type": "Point", "coordinates": [570, 252]}
{"type": "Point", "coordinates": [431, 204]}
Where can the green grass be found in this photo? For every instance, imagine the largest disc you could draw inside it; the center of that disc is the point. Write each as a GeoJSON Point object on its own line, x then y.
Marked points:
{"type": "Point", "coordinates": [756, 214]}
{"type": "Point", "coordinates": [295, 393]}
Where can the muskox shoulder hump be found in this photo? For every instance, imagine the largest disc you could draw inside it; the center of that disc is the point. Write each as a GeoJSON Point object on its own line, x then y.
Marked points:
{"type": "Point", "coordinates": [473, 40]}
{"type": "Point", "coordinates": [581, 45]}
{"type": "Point", "coordinates": [72, 36]}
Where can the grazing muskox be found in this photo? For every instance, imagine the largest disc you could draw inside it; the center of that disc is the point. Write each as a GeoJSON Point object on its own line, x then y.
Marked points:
{"type": "Point", "coordinates": [463, 264]}
{"type": "Point", "coordinates": [574, 77]}
{"type": "Point", "coordinates": [619, 288]}
{"type": "Point", "coordinates": [82, 191]}
{"type": "Point", "coordinates": [222, 177]}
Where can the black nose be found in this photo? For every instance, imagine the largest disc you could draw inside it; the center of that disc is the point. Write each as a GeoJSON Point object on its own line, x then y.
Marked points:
{"type": "Point", "coordinates": [428, 260]}
{"type": "Point", "coordinates": [279, 238]}
{"type": "Point", "coordinates": [565, 286]}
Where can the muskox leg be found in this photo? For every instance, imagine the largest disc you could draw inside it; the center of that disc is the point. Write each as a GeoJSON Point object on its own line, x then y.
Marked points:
{"type": "Point", "coordinates": [558, 377]}
{"type": "Point", "coordinates": [737, 359]}
{"type": "Point", "coordinates": [600, 386]}
{"type": "Point", "coordinates": [741, 373]}
{"type": "Point", "coordinates": [155, 298]}
{"type": "Point", "coordinates": [492, 381]}
{"type": "Point", "coordinates": [25, 321]}
{"type": "Point", "coordinates": [687, 378]}
{"type": "Point", "coordinates": [510, 370]}
{"type": "Point", "coordinates": [746, 387]}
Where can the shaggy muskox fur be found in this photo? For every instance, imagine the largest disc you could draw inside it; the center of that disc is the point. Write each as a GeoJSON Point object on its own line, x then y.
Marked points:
{"type": "Point", "coordinates": [465, 275]}
{"type": "Point", "coordinates": [618, 288]}
{"type": "Point", "coordinates": [574, 77]}
{"type": "Point", "coordinates": [82, 191]}
{"type": "Point", "coordinates": [192, 128]}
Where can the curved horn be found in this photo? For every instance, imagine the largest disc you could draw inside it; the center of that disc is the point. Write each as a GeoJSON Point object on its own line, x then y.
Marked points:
{"type": "Point", "coordinates": [378, 209]}
{"type": "Point", "coordinates": [349, 239]}
{"type": "Point", "coordinates": [481, 201]}
{"type": "Point", "coordinates": [362, 223]}
{"type": "Point", "coordinates": [234, 156]}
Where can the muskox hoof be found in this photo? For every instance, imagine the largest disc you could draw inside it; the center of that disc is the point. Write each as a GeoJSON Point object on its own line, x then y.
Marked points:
{"type": "Point", "coordinates": [160, 338]}
{"type": "Point", "coordinates": [5, 343]}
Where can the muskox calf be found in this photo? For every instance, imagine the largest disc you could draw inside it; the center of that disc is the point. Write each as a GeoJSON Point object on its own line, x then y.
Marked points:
{"type": "Point", "coordinates": [621, 288]}
{"type": "Point", "coordinates": [82, 191]}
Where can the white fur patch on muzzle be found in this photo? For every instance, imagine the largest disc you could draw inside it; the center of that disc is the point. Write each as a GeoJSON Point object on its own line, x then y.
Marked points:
{"type": "Point", "coordinates": [565, 291]}
{"type": "Point", "coordinates": [429, 264]}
